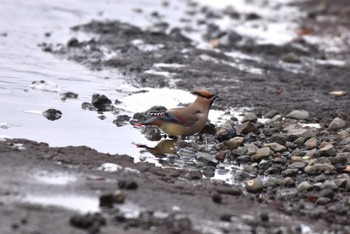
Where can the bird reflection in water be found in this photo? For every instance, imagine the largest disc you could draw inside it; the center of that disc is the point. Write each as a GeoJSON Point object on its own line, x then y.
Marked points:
{"type": "Point", "coordinates": [162, 149]}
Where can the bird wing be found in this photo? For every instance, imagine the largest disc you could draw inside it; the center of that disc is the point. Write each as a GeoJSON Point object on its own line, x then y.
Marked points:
{"type": "Point", "coordinates": [182, 117]}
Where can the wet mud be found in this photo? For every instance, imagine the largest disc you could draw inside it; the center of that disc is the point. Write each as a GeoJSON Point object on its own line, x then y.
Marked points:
{"type": "Point", "coordinates": [281, 173]}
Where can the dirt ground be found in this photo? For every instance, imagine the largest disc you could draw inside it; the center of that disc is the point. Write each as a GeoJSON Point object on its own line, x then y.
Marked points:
{"type": "Point", "coordinates": [181, 200]}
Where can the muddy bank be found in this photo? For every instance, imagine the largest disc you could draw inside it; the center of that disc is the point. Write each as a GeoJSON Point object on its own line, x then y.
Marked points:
{"type": "Point", "coordinates": [166, 200]}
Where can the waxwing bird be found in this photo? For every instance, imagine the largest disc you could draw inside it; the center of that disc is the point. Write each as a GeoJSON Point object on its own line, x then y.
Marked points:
{"type": "Point", "coordinates": [184, 121]}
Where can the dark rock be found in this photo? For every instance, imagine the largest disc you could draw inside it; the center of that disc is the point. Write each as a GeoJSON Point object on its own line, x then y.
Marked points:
{"type": "Point", "coordinates": [270, 131]}
{"type": "Point", "coordinates": [279, 138]}
{"type": "Point", "coordinates": [226, 217]}
{"type": "Point", "coordinates": [250, 137]}
{"type": "Point", "coordinates": [209, 171]}
{"type": "Point", "coordinates": [229, 190]}
{"type": "Point", "coordinates": [121, 120]}
{"type": "Point", "coordinates": [88, 106]}
{"type": "Point", "coordinates": [228, 134]}
{"type": "Point", "coordinates": [217, 198]}
{"type": "Point", "coordinates": [127, 184]}
{"type": "Point", "coordinates": [152, 133]}
{"type": "Point", "coordinates": [264, 217]}
{"type": "Point", "coordinates": [52, 114]}
{"type": "Point", "coordinates": [221, 155]}
{"type": "Point", "coordinates": [243, 159]}
{"type": "Point", "coordinates": [106, 200]}
{"type": "Point", "coordinates": [195, 175]}
{"type": "Point", "coordinates": [87, 221]}
{"type": "Point", "coordinates": [73, 42]}
{"type": "Point", "coordinates": [209, 128]}
{"type": "Point", "coordinates": [101, 102]}
{"type": "Point", "coordinates": [290, 172]}
{"type": "Point", "coordinates": [69, 95]}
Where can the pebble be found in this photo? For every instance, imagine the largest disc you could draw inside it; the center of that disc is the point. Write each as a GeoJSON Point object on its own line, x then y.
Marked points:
{"type": "Point", "coordinates": [73, 42]}
{"type": "Point", "coordinates": [275, 147]}
{"type": "Point", "coordinates": [205, 157]}
{"type": "Point", "coordinates": [297, 165]}
{"type": "Point", "coordinates": [152, 133]}
{"type": "Point", "coordinates": [279, 138]}
{"type": "Point", "coordinates": [290, 192]}
{"type": "Point", "coordinates": [276, 118]}
{"type": "Point", "coordinates": [304, 186]}
{"type": "Point", "coordinates": [68, 95]}
{"type": "Point", "coordinates": [226, 135]}
{"type": "Point", "coordinates": [249, 117]}
{"type": "Point", "coordinates": [216, 198]}
{"type": "Point", "coordinates": [329, 184]}
{"type": "Point", "coordinates": [243, 159]}
{"type": "Point", "coordinates": [311, 143]}
{"type": "Point", "coordinates": [295, 133]}
{"type": "Point", "coordinates": [246, 128]}
{"type": "Point", "coordinates": [195, 175]}
{"type": "Point", "coordinates": [337, 93]}
{"type": "Point", "coordinates": [264, 217]}
{"type": "Point", "coordinates": [291, 58]}
{"type": "Point", "coordinates": [298, 114]}
{"type": "Point", "coordinates": [87, 221]}
{"type": "Point", "coordinates": [322, 200]}
{"type": "Point", "coordinates": [327, 150]}
{"type": "Point", "coordinates": [251, 148]}
{"type": "Point", "coordinates": [345, 179]}
{"type": "Point", "coordinates": [318, 168]}
{"type": "Point", "coordinates": [288, 182]}
{"type": "Point", "coordinates": [261, 153]}
{"type": "Point", "coordinates": [271, 114]}
{"type": "Point", "coordinates": [254, 185]}
{"type": "Point", "coordinates": [337, 124]}
{"type": "Point", "coordinates": [233, 143]}
{"type": "Point", "coordinates": [119, 197]}
{"type": "Point", "coordinates": [127, 184]}
{"type": "Point", "coordinates": [52, 114]}
{"type": "Point", "coordinates": [101, 102]}
{"type": "Point", "coordinates": [299, 141]}
{"type": "Point", "coordinates": [343, 134]}
{"type": "Point", "coordinates": [290, 172]}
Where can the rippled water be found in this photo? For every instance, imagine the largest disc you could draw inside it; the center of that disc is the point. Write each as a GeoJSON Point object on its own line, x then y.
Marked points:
{"type": "Point", "coordinates": [23, 25]}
